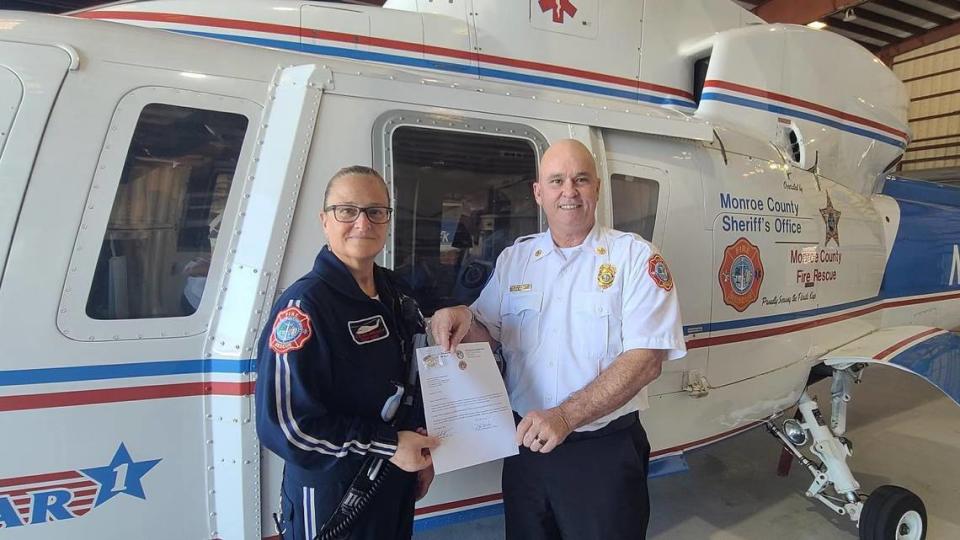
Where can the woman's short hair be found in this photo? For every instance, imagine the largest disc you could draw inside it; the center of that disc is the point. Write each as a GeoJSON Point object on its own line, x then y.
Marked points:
{"type": "Point", "coordinates": [355, 170]}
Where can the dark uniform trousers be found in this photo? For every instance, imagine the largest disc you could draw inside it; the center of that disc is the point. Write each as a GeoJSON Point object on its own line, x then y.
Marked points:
{"type": "Point", "coordinates": [593, 486]}
{"type": "Point", "coordinates": [389, 514]}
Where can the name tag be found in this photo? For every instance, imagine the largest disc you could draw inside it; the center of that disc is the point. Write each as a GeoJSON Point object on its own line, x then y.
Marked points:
{"type": "Point", "coordinates": [521, 288]}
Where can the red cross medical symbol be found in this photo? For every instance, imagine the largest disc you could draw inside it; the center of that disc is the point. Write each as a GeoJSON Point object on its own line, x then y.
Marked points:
{"type": "Point", "coordinates": [559, 7]}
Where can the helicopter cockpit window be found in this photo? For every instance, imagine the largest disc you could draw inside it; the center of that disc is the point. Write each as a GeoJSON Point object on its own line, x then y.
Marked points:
{"type": "Point", "coordinates": [634, 204]}
{"type": "Point", "coordinates": [166, 216]}
{"type": "Point", "coordinates": [460, 199]}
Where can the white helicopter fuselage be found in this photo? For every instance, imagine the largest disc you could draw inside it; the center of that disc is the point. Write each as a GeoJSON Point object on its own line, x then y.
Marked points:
{"type": "Point", "coordinates": [777, 267]}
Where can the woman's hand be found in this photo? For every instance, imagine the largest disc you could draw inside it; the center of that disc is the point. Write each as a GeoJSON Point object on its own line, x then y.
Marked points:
{"type": "Point", "coordinates": [413, 451]}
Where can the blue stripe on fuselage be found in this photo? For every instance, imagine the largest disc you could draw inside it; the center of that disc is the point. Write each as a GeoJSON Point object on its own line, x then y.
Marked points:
{"type": "Point", "coordinates": [122, 371]}
{"type": "Point", "coordinates": [452, 67]}
{"type": "Point", "coordinates": [936, 360]}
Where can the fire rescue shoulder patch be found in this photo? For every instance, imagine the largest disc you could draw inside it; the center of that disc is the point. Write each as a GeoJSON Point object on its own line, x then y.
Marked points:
{"type": "Point", "coordinates": [657, 268]}
{"type": "Point", "coordinates": [291, 330]}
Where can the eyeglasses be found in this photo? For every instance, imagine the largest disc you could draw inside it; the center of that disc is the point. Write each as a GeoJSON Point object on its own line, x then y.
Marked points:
{"type": "Point", "coordinates": [348, 213]}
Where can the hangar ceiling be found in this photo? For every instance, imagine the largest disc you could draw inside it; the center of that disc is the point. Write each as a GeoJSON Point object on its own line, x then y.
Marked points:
{"type": "Point", "coordinates": [887, 28]}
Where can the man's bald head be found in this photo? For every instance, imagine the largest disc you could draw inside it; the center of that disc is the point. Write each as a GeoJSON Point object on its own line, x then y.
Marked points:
{"type": "Point", "coordinates": [567, 150]}
{"type": "Point", "coordinates": [568, 190]}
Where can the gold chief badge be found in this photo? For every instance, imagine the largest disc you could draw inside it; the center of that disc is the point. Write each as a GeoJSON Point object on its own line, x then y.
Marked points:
{"type": "Point", "coordinates": [606, 275]}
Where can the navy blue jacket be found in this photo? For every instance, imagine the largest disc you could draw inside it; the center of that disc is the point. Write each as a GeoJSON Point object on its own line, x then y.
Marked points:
{"type": "Point", "coordinates": [326, 364]}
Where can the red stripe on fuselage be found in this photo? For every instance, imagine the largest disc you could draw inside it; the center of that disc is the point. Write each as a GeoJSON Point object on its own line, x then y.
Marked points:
{"type": "Point", "coordinates": [459, 504]}
{"type": "Point", "coordinates": [499, 496]}
{"type": "Point", "coordinates": [704, 441]}
{"type": "Point", "coordinates": [28, 490]}
{"type": "Point", "coordinates": [803, 103]}
{"type": "Point", "coordinates": [38, 478]}
{"type": "Point", "coordinates": [386, 43]}
{"type": "Point", "coordinates": [114, 395]}
{"type": "Point", "coordinates": [758, 334]}
{"type": "Point", "coordinates": [886, 352]}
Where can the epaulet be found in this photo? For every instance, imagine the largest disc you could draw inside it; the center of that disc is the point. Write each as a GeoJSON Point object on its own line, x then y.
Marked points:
{"type": "Point", "coordinates": [523, 239]}
{"type": "Point", "coordinates": [628, 234]}
{"type": "Point", "coordinates": [614, 233]}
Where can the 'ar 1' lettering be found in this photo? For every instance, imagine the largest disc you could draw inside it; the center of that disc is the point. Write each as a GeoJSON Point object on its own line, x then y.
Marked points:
{"type": "Point", "coordinates": [9, 517]}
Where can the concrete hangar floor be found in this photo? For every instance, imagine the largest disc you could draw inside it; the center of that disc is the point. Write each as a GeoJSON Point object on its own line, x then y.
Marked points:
{"type": "Point", "coordinates": [904, 431]}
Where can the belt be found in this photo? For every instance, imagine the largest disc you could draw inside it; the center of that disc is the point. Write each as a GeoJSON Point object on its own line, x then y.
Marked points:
{"type": "Point", "coordinates": [619, 424]}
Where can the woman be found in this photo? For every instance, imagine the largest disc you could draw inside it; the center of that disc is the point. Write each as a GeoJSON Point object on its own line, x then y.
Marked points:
{"type": "Point", "coordinates": [332, 368]}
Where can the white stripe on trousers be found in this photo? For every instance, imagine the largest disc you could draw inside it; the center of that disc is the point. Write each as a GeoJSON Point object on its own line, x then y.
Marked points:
{"type": "Point", "coordinates": [309, 514]}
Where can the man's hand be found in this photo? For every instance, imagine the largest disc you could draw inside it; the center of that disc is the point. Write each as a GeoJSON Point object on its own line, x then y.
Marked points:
{"type": "Point", "coordinates": [450, 325]}
{"type": "Point", "coordinates": [413, 451]}
{"type": "Point", "coordinates": [542, 431]}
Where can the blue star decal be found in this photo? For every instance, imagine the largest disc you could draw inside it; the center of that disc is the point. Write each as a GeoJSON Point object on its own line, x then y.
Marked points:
{"type": "Point", "coordinates": [122, 475]}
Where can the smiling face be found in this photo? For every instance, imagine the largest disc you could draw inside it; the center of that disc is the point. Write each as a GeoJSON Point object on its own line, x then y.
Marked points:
{"type": "Point", "coordinates": [361, 240]}
{"type": "Point", "coordinates": [568, 189]}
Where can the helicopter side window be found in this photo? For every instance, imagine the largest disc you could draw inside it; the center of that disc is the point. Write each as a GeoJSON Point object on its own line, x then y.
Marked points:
{"type": "Point", "coordinates": [166, 216]}
{"type": "Point", "coordinates": [461, 198]}
{"type": "Point", "coordinates": [634, 204]}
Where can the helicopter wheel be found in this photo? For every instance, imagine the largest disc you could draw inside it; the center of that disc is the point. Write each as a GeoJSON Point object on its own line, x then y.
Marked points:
{"type": "Point", "coordinates": [893, 513]}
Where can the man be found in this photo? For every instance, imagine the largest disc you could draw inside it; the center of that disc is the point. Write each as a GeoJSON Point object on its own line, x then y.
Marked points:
{"type": "Point", "coordinates": [585, 316]}
{"type": "Point", "coordinates": [333, 367]}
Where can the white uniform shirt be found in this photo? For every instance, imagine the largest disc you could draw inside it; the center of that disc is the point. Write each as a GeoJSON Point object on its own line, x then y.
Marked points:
{"type": "Point", "coordinates": [563, 318]}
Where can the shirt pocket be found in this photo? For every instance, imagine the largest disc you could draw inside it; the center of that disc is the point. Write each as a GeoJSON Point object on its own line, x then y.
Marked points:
{"type": "Point", "coordinates": [520, 321]}
{"type": "Point", "coordinates": [597, 324]}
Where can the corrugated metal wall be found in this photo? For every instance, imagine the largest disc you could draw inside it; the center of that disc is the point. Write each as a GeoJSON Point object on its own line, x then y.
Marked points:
{"type": "Point", "coordinates": [932, 76]}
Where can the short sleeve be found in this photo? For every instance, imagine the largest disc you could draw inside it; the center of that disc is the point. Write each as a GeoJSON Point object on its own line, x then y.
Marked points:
{"type": "Point", "coordinates": [486, 308]}
{"type": "Point", "coordinates": [651, 310]}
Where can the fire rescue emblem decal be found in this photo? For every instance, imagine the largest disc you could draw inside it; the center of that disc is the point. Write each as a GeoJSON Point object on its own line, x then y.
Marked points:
{"type": "Point", "coordinates": [657, 268]}
{"type": "Point", "coordinates": [290, 331]}
{"type": "Point", "coordinates": [741, 273]}
{"type": "Point", "coordinates": [41, 498]}
{"type": "Point", "coordinates": [368, 330]}
{"type": "Point", "coordinates": [559, 8]}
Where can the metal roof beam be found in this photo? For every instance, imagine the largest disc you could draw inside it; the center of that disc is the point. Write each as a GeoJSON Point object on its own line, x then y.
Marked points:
{"type": "Point", "coordinates": [949, 4]}
{"type": "Point", "coordinates": [863, 31]}
{"type": "Point", "coordinates": [793, 12]}
{"type": "Point", "coordinates": [44, 5]}
{"type": "Point", "coordinates": [875, 17]}
{"type": "Point", "coordinates": [913, 11]}
{"type": "Point", "coordinates": [940, 33]}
